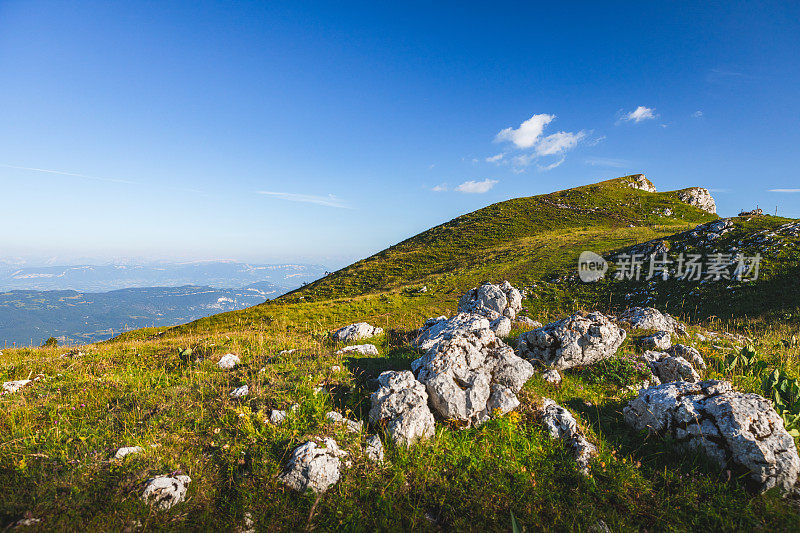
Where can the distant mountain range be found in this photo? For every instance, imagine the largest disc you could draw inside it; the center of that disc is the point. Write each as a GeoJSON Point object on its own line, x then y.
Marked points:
{"type": "Point", "coordinates": [83, 304]}
{"type": "Point", "coordinates": [100, 278]}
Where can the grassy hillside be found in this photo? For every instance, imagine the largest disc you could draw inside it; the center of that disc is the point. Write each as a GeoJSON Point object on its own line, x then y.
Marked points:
{"type": "Point", "coordinates": [59, 434]}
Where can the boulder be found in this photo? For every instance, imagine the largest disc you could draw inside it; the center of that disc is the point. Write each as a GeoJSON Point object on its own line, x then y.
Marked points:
{"type": "Point", "coordinates": [698, 197]}
{"type": "Point", "coordinates": [580, 339]}
{"type": "Point", "coordinates": [356, 332]}
{"type": "Point", "coordinates": [649, 318]}
{"type": "Point", "coordinates": [666, 367]}
{"type": "Point", "coordinates": [374, 449]}
{"type": "Point", "coordinates": [552, 376]}
{"type": "Point", "coordinates": [229, 361]}
{"type": "Point", "coordinates": [165, 492]}
{"type": "Point", "coordinates": [492, 301]}
{"type": "Point", "coordinates": [353, 426]}
{"type": "Point", "coordinates": [738, 431]}
{"type": "Point", "coordinates": [639, 181]}
{"type": "Point", "coordinates": [128, 450]}
{"type": "Point", "coordinates": [400, 406]}
{"type": "Point", "coordinates": [660, 340]}
{"type": "Point", "coordinates": [560, 424]}
{"type": "Point", "coordinates": [313, 466]}
{"type": "Point", "coordinates": [690, 354]}
{"type": "Point", "coordinates": [240, 392]}
{"type": "Point", "coordinates": [361, 349]}
{"type": "Point", "coordinates": [438, 329]}
{"type": "Point", "coordinates": [460, 373]}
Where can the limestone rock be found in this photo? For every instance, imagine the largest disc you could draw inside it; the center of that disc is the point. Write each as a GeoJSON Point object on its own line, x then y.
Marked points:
{"type": "Point", "coordinates": [666, 367]}
{"type": "Point", "coordinates": [492, 301]}
{"type": "Point", "coordinates": [552, 376]}
{"type": "Point", "coordinates": [165, 492]}
{"type": "Point", "coordinates": [698, 197]}
{"type": "Point", "coordinates": [277, 417]}
{"type": "Point", "coordinates": [353, 426]}
{"type": "Point", "coordinates": [438, 329]}
{"type": "Point", "coordinates": [639, 181]}
{"type": "Point", "coordinates": [660, 340]}
{"type": "Point", "coordinates": [240, 392]}
{"type": "Point", "coordinates": [314, 467]}
{"type": "Point", "coordinates": [229, 361]}
{"type": "Point", "coordinates": [401, 406]}
{"type": "Point", "coordinates": [649, 318]}
{"type": "Point", "coordinates": [527, 322]}
{"type": "Point", "coordinates": [738, 431]}
{"type": "Point", "coordinates": [362, 349]}
{"type": "Point", "coordinates": [374, 449]}
{"type": "Point", "coordinates": [690, 354]}
{"type": "Point", "coordinates": [128, 450]}
{"type": "Point", "coordinates": [580, 339]}
{"type": "Point", "coordinates": [356, 332]}
{"type": "Point", "coordinates": [502, 400]}
{"type": "Point", "coordinates": [13, 386]}
{"type": "Point", "coordinates": [560, 424]}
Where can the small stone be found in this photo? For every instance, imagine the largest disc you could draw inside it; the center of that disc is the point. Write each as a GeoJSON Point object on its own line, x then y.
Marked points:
{"type": "Point", "coordinates": [166, 491]}
{"type": "Point", "coordinates": [229, 361]}
{"type": "Point", "coordinates": [277, 417]}
{"type": "Point", "coordinates": [374, 449]}
{"type": "Point", "coordinates": [313, 466]}
{"type": "Point", "coordinates": [560, 424]}
{"type": "Point", "coordinates": [356, 332]}
{"type": "Point", "coordinates": [130, 450]}
{"type": "Point", "coordinates": [552, 376]}
{"type": "Point", "coordinates": [240, 392]}
{"type": "Point", "coordinates": [352, 425]}
{"type": "Point", "coordinates": [361, 349]}
{"type": "Point", "coordinates": [13, 386]}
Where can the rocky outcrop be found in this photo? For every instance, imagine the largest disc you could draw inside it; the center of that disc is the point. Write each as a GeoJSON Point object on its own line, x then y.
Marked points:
{"type": "Point", "coordinates": [166, 491]}
{"type": "Point", "coordinates": [400, 406]}
{"type": "Point", "coordinates": [356, 332]}
{"type": "Point", "coordinates": [313, 466]}
{"type": "Point", "coordinates": [639, 181]}
{"type": "Point", "coordinates": [361, 349]}
{"type": "Point", "coordinates": [471, 376]}
{"type": "Point", "coordinates": [698, 197]}
{"type": "Point", "coordinates": [435, 330]}
{"type": "Point", "coordinates": [560, 424]}
{"type": "Point", "coordinates": [741, 432]}
{"type": "Point", "coordinates": [581, 339]}
{"type": "Point", "coordinates": [660, 340]}
{"type": "Point", "coordinates": [666, 367]}
{"type": "Point", "coordinates": [650, 318]}
{"type": "Point", "coordinates": [492, 301]}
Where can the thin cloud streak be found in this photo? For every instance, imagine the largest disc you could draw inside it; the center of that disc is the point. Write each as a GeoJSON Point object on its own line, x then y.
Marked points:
{"type": "Point", "coordinates": [327, 201]}
{"type": "Point", "coordinates": [72, 174]}
{"type": "Point", "coordinates": [785, 190]}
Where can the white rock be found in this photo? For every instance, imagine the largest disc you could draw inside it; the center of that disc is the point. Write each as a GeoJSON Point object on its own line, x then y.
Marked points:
{"type": "Point", "coordinates": [667, 367]}
{"type": "Point", "coordinates": [690, 354]}
{"type": "Point", "coordinates": [277, 417]}
{"type": "Point", "coordinates": [493, 302]}
{"type": "Point", "coordinates": [639, 181]}
{"type": "Point", "coordinates": [741, 432]}
{"type": "Point", "coordinates": [14, 386]}
{"type": "Point", "coordinates": [166, 491]}
{"type": "Point", "coordinates": [527, 322]}
{"type": "Point", "coordinates": [660, 340]}
{"type": "Point", "coordinates": [314, 467]}
{"type": "Point", "coordinates": [362, 349]}
{"type": "Point", "coordinates": [229, 361]}
{"type": "Point", "coordinates": [240, 392]}
{"type": "Point", "coordinates": [129, 450]}
{"type": "Point", "coordinates": [501, 401]}
{"type": "Point", "coordinates": [438, 329]}
{"type": "Point", "coordinates": [581, 339]}
{"type": "Point", "coordinates": [552, 376]}
{"type": "Point", "coordinates": [353, 426]}
{"type": "Point", "coordinates": [374, 449]}
{"type": "Point", "coordinates": [400, 405]}
{"type": "Point", "coordinates": [649, 318]}
{"type": "Point", "coordinates": [356, 332]}
{"type": "Point", "coordinates": [560, 424]}
{"type": "Point", "coordinates": [698, 197]}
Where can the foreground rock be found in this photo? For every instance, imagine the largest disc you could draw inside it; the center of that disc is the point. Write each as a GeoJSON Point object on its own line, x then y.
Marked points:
{"type": "Point", "coordinates": [698, 197]}
{"type": "Point", "coordinates": [13, 386]}
{"type": "Point", "coordinates": [581, 339]}
{"type": "Point", "coordinates": [660, 340]}
{"type": "Point", "coordinates": [229, 361]}
{"type": "Point", "coordinates": [560, 424]}
{"type": "Point", "coordinates": [666, 367]}
{"type": "Point", "coordinates": [128, 450]}
{"type": "Point", "coordinates": [738, 431]}
{"type": "Point", "coordinates": [498, 303]}
{"type": "Point", "coordinates": [361, 349]}
{"type": "Point", "coordinates": [240, 392]}
{"type": "Point", "coordinates": [690, 354]}
{"type": "Point", "coordinates": [353, 426]}
{"type": "Point", "coordinates": [314, 467]}
{"type": "Point", "coordinates": [356, 332]}
{"type": "Point", "coordinates": [650, 318]}
{"type": "Point", "coordinates": [166, 491]}
{"type": "Point", "coordinates": [400, 406]}
{"type": "Point", "coordinates": [435, 330]}
{"type": "Point", "coordinates": [552, 376]}
{"type": "Point", "coordinates": [471, 376]}
{"type": "Point", "coordinates": [374, 449]}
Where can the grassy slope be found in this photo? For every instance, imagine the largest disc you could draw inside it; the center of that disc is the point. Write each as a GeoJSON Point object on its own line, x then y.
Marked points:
{"type": "Point", "coordinates": [58, 435]}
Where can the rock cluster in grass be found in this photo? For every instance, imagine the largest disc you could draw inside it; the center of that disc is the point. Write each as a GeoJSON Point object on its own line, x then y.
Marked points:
{"type": "Point", "coordinates": [552, 376]}
{"type": "Point", "coordinates": [356, 332]}
{"type": "Point", "coordinates": [578, 340]}
{"type": "Point", "coordinates": [666, 367]}
{"type": "Point", "coordinates": [738, 431]}
{"type": "Point", "coordinates": [650, 318]}
{"type": "Point", "coordinates": [400, 406]}
{"type": "Point", "coordinates": [435, 330]}
{"type": "Point", "coordinates": [472, 375]}
{"type": "Point", "coordinates": [361, 349]}
{"type": "Point", "coordinates": [498, 303]}
{"type": "Point", "coordinates": [560, 424]}
{"type": "Point", "coordinates": [698, 197]}
{"type": "Point", "coordinates": [165, 492]}
{"type": "Point", "coordinates": [313, 466]}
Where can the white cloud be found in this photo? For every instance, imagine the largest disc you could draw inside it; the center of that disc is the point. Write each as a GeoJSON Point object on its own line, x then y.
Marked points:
{"type": "Point", "coordinates": [785, 190]}
{"type": "Point", "coordinates": [528, 132]}
{"type": "Point", "coordinates": [608, 162]}
{"type": "Point", "coordinates": [639, 114]}
{"type": "Point", "coordinates": [596, 141]}
{"type": "Point", "coordinates": [328, 201]}
{"type": "Point", "coordinates": [551, 166]}
{"type": "Point", "coordinates": [559, 142]}
{"type": "Point", "coordinates": [495, 158]}
{"type": "Point", "coordinates": [697, 114]}
{"type": "Point", "coordinates": [439, 188]}
{"type": "Point", "coordinates": [476, 187]}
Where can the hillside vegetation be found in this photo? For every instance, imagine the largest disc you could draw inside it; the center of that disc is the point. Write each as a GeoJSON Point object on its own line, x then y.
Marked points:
{"type": "Point", "coordinates": [60, 433]}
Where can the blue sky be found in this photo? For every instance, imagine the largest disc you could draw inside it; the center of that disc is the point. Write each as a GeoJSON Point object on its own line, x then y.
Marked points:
{"type": "Point", "coordinates": [326, 131]}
